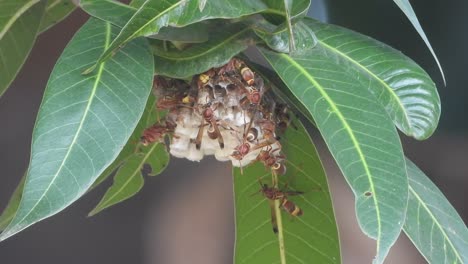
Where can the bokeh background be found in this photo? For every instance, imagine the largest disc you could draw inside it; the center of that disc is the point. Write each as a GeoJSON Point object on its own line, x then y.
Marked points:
{"type": "Point", "coordinates": [185, 215]}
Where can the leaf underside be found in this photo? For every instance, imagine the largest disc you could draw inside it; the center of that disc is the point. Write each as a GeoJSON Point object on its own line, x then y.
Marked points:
{"type": "Point", "coordinates": [405, 89]}
{"type": "Point", "coordinates": [83, 122]}
{"type": "Point", "coordinates": [432, 223]}
{"type": "Point", "coordinates": [134, 162]}
{"type": "Point", "coordinates": [360, 136]}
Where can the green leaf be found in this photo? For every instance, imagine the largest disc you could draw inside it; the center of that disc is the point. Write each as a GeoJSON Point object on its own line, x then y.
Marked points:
{"type": "Point", "coordinates": [360, 136]}
{"type": "Point", "coordinates": [118, 14]}
{"type": "Point", "coordinates": [129, 178]}
{"type": "Point", "coordinates": [12, 206]}
{"type": "Point", "coordinates": [407, 92]}
{"type": "Point", "coordinates": [147, 119]}
{"type": "Point", "coordinates": [83, 122]}
{"type": "Point", "coordinates": [285, 11]}
{"type": "Point", "coordinates": [55, 11]}
{"type": "Point", "coordinates": [153, 15]}
{"type": "Point", "coordinates": [432, 223]}
{"type": "Point", "coordinates": [198, 58]}
{"type": "Point", "coordinates": [405, 6]}
{"type": "Point", "coordinates": [281, 90]}
{"type": "Point", "coordinates": [19, 23]}
{"type": "Point", "coordinates": [147, 20]}
{"type": "Point", "coordinates": [193, 33]}
{"type": "Point", "coordinates": [278, 37]}
{"type": "Point", "coordinates": [310, 238]}
{"type": "Point", "coordinates": [137, 3]}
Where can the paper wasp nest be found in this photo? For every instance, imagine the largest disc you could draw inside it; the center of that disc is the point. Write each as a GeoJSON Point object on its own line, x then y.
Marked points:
{"type": "Point", "coordinates": [225, 112]}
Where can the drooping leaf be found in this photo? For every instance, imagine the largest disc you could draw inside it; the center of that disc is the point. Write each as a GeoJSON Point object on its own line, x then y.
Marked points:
{"type": "Point", "coordinates": [405, 6]}
{"type": "Point", "coordinates": [198, 58]}
{"type": "Point", "coordinates": [147, 20]}
{"type": "Point", "coordinates": [19, 23]}
{"type": "Point", "coordinates": [55, 11]}
{"type": "Point", "coordinates": [12, 206]}
{"type": "Point", "coordinates": [432, 223]}
{"type": "Point", "coordinates": [360, 136]}
{"type": "Point", "coordinates": [407, 92]}
{"type": "Point", "coordinates": [278, 37]}
{"type": "Point", "coordinates": [310, 238]}
{"type": "Point", "coordinates": [83, 122]}
{"type": "Point", "coordinates": [129, 178]}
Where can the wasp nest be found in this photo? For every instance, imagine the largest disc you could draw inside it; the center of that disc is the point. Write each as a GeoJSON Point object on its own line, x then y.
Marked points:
{"type": "Point", "coordinates": [223, 112]}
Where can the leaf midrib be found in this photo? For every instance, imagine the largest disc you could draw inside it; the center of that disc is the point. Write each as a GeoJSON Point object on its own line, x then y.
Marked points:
{"type": "Point", "coordinates": [91, 99]}
{"type": "Point", "coordinates": [150, 21]}
{"type": "Point", "coordinates": [353, 139]}
{"type": "Point", "coordinates": [434, 219]}
{"type": "Point", "coordinates": [52, 5]}
{"type": "Point", "coordinates": [16, 16]}
{"type": "Point", "coordinates": [394, 95]}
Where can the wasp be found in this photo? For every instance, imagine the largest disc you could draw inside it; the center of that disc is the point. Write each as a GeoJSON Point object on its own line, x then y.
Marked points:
{"type": "Point", "coordinates": [237, 65]}
{"type": "Point", "coordinates": [208, 118]}
{"type": "Point", "coordinates": [270, 160]}
{"type": "Point", "coordinates": [156, 132]}
{"type": "Point", "coordinates": [170, 93]}
{"type": "Point", "coordinates": [272, 194]}
{"type": "Point", "coordinates": [283, 118]}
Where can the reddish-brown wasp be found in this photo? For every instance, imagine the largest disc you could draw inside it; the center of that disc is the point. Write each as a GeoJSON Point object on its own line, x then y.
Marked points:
{"type": "Point", "coordinates": [272, 161]}
{"type": "Point", "coordinates": [156, 132]}
{"type": "Point", "coordinates": [208, 118]}
{"type": "Point", "coordinates": [272, 194]}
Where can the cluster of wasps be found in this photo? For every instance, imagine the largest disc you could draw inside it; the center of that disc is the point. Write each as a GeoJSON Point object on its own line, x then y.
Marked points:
{"type": "Point", "coordinates": [225, 112]}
